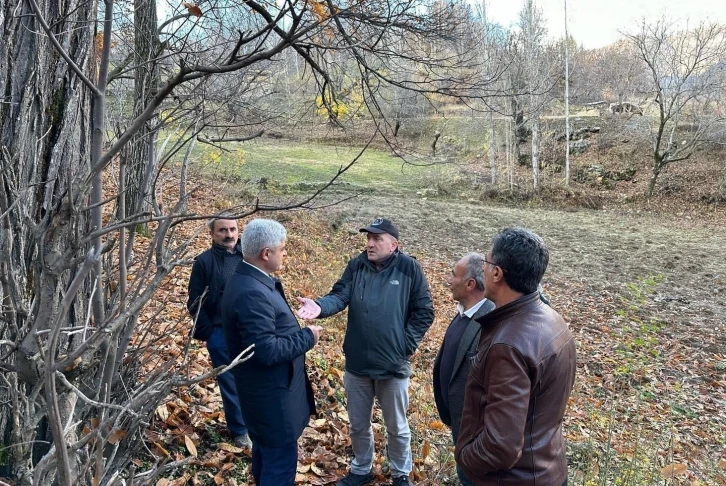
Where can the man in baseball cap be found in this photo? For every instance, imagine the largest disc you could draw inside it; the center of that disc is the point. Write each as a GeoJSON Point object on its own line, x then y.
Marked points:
{"type": "Point", "coordinates": [380, 226]}
{"type": "Point", "coordinates": [389, 311]}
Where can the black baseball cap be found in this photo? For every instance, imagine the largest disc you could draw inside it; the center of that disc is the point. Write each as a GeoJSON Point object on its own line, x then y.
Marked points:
{"type": "Point", "coordinates": [381, 225]}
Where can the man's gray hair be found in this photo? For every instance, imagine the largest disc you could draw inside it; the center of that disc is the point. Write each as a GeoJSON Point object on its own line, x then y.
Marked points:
{"type": "Point", "coordinates": [474, 268]}
{"type": "Point", "coordinates": [224, 215]}
{"type": "Point", "coordinates": [260, 234]}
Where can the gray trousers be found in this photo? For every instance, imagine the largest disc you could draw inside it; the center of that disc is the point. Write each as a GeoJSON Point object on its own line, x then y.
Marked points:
{"type": "Point", "coordinates": [392, 395]}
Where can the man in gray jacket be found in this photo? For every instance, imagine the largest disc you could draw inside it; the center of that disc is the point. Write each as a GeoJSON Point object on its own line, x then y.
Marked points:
{"type": "Point", "coordinates": [389, 310]}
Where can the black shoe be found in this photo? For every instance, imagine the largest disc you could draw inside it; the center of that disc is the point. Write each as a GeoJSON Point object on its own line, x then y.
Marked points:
{"type": "Point", "coordinates": [357, 479]}
{"type": "Point", "coordinates": [402, 481]}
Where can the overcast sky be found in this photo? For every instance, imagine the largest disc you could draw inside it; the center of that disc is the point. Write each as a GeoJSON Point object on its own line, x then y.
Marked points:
{"type": "Point", "coordinates": [595, 23]}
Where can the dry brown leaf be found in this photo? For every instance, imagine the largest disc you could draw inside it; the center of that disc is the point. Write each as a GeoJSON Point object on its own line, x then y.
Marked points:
{"type": "Point", "coordinates": [673, 470]}
{"type": "Point", "coordinates": [722, 463]}
{"type": "Point", "coordinates": [74, 364]}
{"type": "Point", "coordinates": [337, 373]}
{"type": "Point", "coordinates": [190, 445]}
{"type": "Point", "coordinates": [436, 425]}
{"type": "Point", "coordinates": [163, 412]}
{"type": "Point", "coordinates": [182, 480]}
{"type": "Point", "coordinates": [315, 469]}
{"type": "Point", "coordinates": [161, 450]}
{"type": "Point", "coordinates": [426, 450]}
{"type": "Point", "coordinates": [116, 436]}
{"type": "Point", "coordinates": [230, 448]}
{"type": "Point", "coordinates": [193, 9]}
{"type": "Point", "coordinates": [319, 10]}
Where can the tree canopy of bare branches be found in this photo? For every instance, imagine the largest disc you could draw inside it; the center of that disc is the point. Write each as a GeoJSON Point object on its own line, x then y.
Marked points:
{"type": "Point", "coordinates": [686, 81]}
{"type": "Point", "coordinates": [74, 280]}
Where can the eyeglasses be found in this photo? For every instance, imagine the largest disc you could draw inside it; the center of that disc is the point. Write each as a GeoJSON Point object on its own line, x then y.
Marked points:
{"type": "Point", "coordinates": [492, 263]}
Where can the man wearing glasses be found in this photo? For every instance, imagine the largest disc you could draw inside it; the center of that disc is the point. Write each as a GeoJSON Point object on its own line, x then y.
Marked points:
{"type": "Point", "coordinates": [522, 375]}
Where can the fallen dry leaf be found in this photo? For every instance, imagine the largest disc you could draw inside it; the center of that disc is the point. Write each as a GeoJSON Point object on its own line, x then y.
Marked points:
{"type": "Point", "coordinates": [673, 470]}
{"type": "Point", "coordinates": [230, 448]}
{"type": "Point", "coordinates": [116, 436]}
{"type": "Point", "coordinates": [190, 445]}
{"type": "Point", "coordinates": [163, 412]}
{"type": "Point", "coordinates": [161, 450]}
{"type": "Point", "coordinates": [426, 449]}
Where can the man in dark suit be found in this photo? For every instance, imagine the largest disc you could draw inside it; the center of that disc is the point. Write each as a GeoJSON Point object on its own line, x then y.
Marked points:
{"type": "Point", "coordinates": [452, 363]}
{"type": "Point", "coordinates": [275, 393]}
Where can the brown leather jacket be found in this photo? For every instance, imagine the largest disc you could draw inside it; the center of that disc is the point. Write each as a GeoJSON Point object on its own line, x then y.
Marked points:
{"type": "Point", "coordinates": [516, 394]}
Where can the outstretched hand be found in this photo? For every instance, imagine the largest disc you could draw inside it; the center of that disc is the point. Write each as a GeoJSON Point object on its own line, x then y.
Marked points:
{"type": "Point", "coordinates": [309, 309]}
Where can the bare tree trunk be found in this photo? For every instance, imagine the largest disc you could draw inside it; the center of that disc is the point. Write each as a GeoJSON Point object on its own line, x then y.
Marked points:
{"type": "Point", "coordinates": [492, 149]}
{"type": "Point", "coordinates": [657, 167]}
{"type": "Point", "coordinates": [141, 151]}
{"type": "Point", "coordinates": [510, 164]}
{"type": "Point", "coordinates": [492, 143]}
{"type": "Point", "coordinates": [46, 144]}
{"type": "Point", "coordinates": [567, 102]}
{"type": "Point", "coordinates": [535, 153]}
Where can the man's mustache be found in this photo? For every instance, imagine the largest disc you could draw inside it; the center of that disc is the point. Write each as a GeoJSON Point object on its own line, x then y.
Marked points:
{"type": "Point", "coordinates": [228, 239]}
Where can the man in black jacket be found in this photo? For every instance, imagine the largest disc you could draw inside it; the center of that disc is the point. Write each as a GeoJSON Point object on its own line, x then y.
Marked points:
{"type": "Point", "coordinates": [278, 397]}
{"type": "Point", "coordinates": [209, 276]}
{"type": "Point", "coordinates": [452, 363]}
{"type": "Point", "coordinates": [389, 310]}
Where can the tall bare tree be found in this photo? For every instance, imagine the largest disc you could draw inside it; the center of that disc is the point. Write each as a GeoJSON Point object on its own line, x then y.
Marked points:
{"type": "Point", "coordinates": [567, 102]}
{"type": "Point", "coordinates": [687, 81]}
{"type": "Point", "coordinates": [141, 150]}
{"type": "Point", "coordinates": [533, 31]}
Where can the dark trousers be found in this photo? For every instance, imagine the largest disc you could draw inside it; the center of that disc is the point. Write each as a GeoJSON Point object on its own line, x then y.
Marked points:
{"type": "Point", "coordinates": [217, 347]}
{"type": "Point", "coordinates": [274, 466]}
{"type": "Point", "coordinates": [462, 478]}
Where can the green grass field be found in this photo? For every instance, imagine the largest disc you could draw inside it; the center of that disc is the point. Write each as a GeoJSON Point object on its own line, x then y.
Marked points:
{"type": "Point", "coordinates": [301, 165]}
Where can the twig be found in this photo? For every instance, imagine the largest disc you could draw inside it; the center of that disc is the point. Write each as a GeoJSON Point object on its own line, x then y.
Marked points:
{"type": "Point", "coordinates": [89, 401]}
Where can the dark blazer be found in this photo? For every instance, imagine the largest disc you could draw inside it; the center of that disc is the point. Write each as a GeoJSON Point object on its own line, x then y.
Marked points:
{"type": "Point", "coordinates": [467, 348]}
{"type": "Point", "coordinates": [275, 393]}
{"type": "Point", "coordinates": [207, 277]}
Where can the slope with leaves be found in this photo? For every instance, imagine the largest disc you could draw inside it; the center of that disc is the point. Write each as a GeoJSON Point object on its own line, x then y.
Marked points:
{"type": "Point", "coordinates": [649, 397]}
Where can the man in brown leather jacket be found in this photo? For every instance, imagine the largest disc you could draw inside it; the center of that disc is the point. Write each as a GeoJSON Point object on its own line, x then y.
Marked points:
{"type": "Point", "coordinates": [521, 377]}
